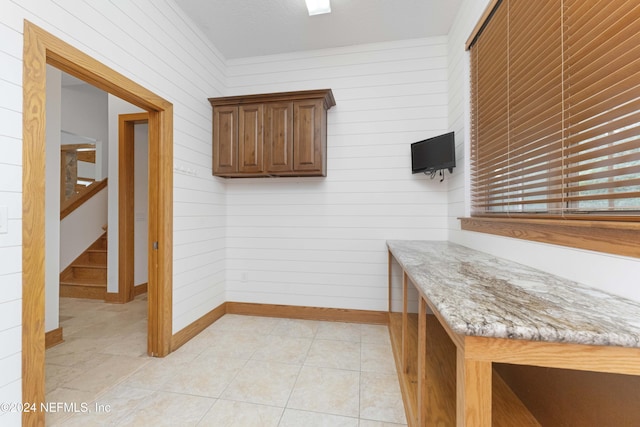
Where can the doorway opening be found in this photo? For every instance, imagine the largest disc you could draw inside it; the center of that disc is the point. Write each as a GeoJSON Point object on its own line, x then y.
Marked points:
{"type": "Point", "coordinates": [40, 49]}
{"type": "Point", "coordinates": [129, 213]}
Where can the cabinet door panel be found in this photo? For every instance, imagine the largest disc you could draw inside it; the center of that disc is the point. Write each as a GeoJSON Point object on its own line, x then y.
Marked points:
{"type": "Point", "coordinates": [225, 140]}
{"type": "Point", "coordinates": [279, 137]}
{"type": "Point", "coordinates": [250, 129]}
{"type": "Point", "coordinates": [308, 131]}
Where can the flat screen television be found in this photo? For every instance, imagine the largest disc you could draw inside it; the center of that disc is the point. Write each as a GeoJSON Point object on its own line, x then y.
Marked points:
{"type": "Point", "coordinates": [434, 154]}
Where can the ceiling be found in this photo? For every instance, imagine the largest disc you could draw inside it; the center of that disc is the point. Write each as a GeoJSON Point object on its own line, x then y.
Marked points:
{"type": "Point", "coordinates": [245, 28]}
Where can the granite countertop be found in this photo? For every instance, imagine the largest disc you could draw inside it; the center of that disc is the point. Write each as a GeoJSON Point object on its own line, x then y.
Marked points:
{"type": "Point", "coordinates": [478, 294]}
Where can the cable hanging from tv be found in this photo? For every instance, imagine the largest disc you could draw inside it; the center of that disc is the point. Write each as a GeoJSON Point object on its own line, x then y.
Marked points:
{"type": "Point", "coordinates": [432, 173]}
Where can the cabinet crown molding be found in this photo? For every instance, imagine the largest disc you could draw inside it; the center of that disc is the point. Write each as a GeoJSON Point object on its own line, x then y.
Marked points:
{"type": "Point", "coordinates": [325, 94]}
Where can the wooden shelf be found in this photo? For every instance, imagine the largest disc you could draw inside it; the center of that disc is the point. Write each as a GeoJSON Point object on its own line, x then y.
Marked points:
{"type": "Point", "coordinates": [440, 404]}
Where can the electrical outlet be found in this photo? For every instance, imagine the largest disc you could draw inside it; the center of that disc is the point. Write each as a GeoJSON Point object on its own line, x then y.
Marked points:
{"type": "Point", "coordinates": [4, 220]}
{"type": "Point", "coordinates": [244, 277]}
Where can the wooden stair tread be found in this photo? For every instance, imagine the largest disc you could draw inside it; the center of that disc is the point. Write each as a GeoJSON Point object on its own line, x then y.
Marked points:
{"type": "Point", "coordinates": [86, 276]}
{"type": "Point", "coordinates": [83, 283]}
{"type": "Point", "coordinates": [89, 266]}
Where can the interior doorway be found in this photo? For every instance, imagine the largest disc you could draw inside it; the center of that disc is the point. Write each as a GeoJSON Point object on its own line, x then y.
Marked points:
{"type": "Point", "coordinates": [128, 256]}
{"type": "Point", "coordinates": [40, 49]}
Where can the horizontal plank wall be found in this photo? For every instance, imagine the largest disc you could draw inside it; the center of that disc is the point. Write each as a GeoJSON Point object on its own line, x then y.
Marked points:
{"type": "Point", "coordinates": [11, 207]}
{"type": "Point", "coordinates": [154, 44]}
{"type": "Point", "coordinates": [320, 242]}
{"type": "Point", "coordinates": [610, 272]}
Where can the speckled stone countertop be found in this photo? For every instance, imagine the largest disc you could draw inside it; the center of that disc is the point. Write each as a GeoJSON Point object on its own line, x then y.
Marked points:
{"type": "Point", "coordinates": [478, 294]}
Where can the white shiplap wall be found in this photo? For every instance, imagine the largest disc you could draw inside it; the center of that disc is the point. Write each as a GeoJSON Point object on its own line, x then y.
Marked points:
{"type": "Point", "coordinates": [10, 243]}
{"type": "Point", "coordinates": [321, 241]}
{"type": "Point", "coordinates": [154, 44]}
{"type": "Point", "coordinates": [613, 273]}
{"type": "Point", "coordinates": [11, 200]}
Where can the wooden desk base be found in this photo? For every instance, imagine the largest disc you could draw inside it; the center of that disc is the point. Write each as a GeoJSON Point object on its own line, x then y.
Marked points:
{"type": "Point", "coordinates": [449, 379]}
{"type": "Point", "coordinates": [521, 395]}
{"type": "Point", "coordinates": [439, 403]}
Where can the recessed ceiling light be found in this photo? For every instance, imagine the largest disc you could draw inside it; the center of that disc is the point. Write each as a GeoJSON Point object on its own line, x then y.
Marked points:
{"type": "Point", "coordinates": [317, 7]}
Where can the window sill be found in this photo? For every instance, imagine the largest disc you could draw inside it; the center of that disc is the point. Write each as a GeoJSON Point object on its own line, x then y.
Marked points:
{"type": "Point", "coordinates": [619, 238]}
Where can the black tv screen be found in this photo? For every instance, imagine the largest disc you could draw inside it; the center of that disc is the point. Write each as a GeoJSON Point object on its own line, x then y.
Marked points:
{"type": "Point", "coordinates": [432, 154]}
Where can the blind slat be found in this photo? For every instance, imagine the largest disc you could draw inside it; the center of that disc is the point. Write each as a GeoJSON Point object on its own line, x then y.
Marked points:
{"type": "Point", "coordinates": [610, 121]}
{"type": "Point", "coordinates": [555, 126]}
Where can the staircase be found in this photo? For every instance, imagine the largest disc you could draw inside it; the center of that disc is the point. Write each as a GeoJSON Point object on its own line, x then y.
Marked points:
{"type": "Point", "coordinates": [86, 277]}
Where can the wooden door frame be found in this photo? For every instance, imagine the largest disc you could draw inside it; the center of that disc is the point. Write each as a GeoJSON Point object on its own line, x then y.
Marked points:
{"type": "Point", "coordinates": [126, 213]}
{"type": "Point", "coordinates": [42, 48]}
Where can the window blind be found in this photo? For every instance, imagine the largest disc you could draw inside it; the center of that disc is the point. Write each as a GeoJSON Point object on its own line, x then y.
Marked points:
{"type": "Point", "coordinates": [555, 110]}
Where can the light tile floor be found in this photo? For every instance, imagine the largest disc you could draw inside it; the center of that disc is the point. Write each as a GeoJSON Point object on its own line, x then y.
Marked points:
{"type": "Point", "coordinates": [241, 371]}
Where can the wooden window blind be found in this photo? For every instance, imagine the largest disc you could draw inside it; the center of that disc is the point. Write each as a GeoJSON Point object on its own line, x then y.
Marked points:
{"type": "Point", "coordinates": [555, 110]}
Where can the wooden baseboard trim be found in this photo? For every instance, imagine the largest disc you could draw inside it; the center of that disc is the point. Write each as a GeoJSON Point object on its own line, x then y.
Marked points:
{"type": "Point", "coordinates": [53, 337]}
{"type": "Point", "coordinates": [118, 298]}
{"type": "Point", "coordinates": [184, 335]}
{"type": "Point", "coordinates": [271, 310]}
{"type": "Point", "coordinates": [113, 298]}
{"type": "Point", "coordinates": [308, 313]}
{"type": "Point", "coordinates": [140, 289]}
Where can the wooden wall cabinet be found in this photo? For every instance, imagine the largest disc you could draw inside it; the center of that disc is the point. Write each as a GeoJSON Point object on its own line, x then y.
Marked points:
{"type": "Point", "coordinates": [276, 134]}
{"type": "Point", "coordinates": [225, 132]}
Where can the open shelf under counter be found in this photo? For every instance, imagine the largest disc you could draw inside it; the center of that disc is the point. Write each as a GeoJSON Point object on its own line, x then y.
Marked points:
{"type": "Point", "coordinates": [495, 343]}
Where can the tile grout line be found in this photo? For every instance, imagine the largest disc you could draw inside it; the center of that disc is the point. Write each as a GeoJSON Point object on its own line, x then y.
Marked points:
{"type": "Point", "coordinates": [284, 409]}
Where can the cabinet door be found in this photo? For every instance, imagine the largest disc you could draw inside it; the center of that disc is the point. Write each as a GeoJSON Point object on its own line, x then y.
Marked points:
{"type": "Point", "coordinates": [279, 137]}
{"type": "Point", "coordinates": [309, 131]}
{"type": "Point", "coordinates": [250, 129]}
{"type": "Point", "coordinates": [225, 140]}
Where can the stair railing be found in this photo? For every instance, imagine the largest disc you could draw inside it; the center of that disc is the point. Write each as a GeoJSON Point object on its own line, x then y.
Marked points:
{"type": "Point", "coordinates": [79, 198]}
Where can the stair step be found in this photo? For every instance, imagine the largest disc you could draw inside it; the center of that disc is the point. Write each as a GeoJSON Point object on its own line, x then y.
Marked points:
{"type": "Point", "coordinates": [94, 257]}
{"type": "Point", "coordinates": [72, 290]}
{"type": "Point", "coordinates": [101, 243]}
{"type": "Point", "coordinates": [86, 277]}
{"type": "Point", "coordinates": [83, 284]}
{"type": "Point", "coordinates": [89, 272]}
{"type": "Point", "coordinates": [89, 265]}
